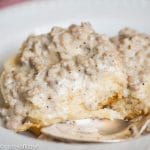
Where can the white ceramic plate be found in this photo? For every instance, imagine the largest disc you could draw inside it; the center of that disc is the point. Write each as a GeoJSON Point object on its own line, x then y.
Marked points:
{"type": "Point", "coordinates": [106, 16]}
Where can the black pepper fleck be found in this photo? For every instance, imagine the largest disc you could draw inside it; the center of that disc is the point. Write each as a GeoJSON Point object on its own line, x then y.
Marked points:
{"type": "Point", "coordinates": [129, 46]}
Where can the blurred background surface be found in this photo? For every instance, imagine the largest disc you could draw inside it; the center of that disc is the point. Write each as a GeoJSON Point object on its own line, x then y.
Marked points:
{"type": "Point", "coordinates": [7, 3]}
